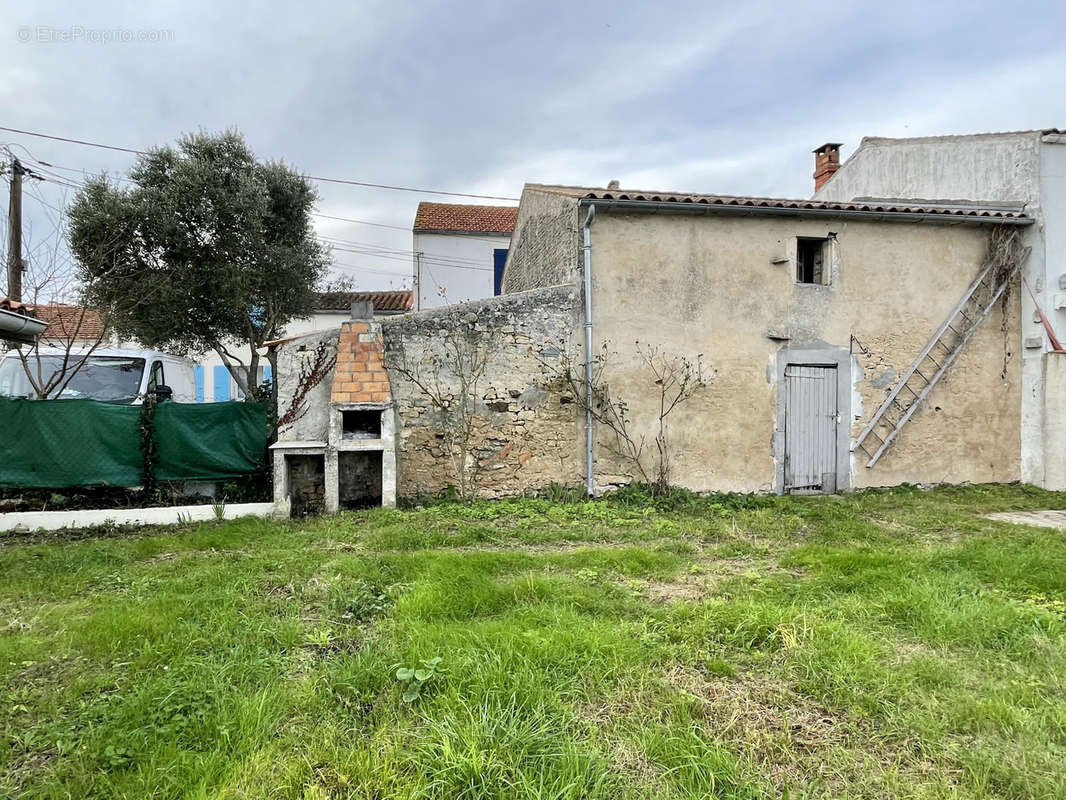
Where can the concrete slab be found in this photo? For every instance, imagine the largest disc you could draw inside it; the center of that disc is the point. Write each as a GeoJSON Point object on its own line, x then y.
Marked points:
{"type": "Point", "coordinates": [1052, 518]}
{"type": "Point", "coordinates": [54, 520]}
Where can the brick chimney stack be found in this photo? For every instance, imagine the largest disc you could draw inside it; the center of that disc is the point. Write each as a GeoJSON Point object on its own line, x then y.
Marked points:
{"type": "Point", "coordinates": [826, 162]}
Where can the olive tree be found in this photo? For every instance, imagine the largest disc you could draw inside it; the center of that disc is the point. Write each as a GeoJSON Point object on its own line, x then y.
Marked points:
{"type": "Point", "coordinates": [206, 248]}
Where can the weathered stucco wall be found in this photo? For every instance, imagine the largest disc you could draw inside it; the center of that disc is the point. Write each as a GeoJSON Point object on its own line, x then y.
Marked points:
{"type": "Point", "coordinates": [707, 284]}
{"type": "Point", "coordinates": [526, 434]}
{"type": "Point", "coordinates": [545, 247]}
{"type": "Point", "coordinates": [293, 358]}
{"type": "Point", "coordinates": [1024, 167]}
{"type": "Point", "coordinates": [998, 166]}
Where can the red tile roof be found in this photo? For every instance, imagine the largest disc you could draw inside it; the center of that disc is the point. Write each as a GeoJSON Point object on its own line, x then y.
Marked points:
{"type": "Point", "coordinates": [71, 323]}
{"type": "Point", "coordinates": [397, 301]}
{"type": "Point", "coordinates": [872, 207]}
{"type": "Point", "coordinates": [462, 218]}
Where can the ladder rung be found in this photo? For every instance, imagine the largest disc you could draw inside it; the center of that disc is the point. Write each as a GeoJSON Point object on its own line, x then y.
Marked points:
{"type": "Point", "coordinates": [974, 307]}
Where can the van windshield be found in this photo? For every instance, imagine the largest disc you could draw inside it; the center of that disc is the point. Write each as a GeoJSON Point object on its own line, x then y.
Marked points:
{"type": "Point", "coordinates": [112, 379]}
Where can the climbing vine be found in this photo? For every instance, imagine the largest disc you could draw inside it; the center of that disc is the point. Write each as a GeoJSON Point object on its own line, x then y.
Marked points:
{"type": "Point", "coordinates": [149, 445]}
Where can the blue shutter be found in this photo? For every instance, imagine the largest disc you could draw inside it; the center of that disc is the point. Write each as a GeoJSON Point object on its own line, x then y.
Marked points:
{"type": "Point", "coordinates": [198, 376]}
{"type": "Point", "coordinates": [499, 260]}
{"type": "Point", "coordinates": [221, 378]}
{"type": "Point", "coordinates": [267, 375]}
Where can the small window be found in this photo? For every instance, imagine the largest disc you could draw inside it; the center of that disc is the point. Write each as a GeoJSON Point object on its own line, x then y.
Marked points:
{"type": "Point", "coordinates": [811, 261]}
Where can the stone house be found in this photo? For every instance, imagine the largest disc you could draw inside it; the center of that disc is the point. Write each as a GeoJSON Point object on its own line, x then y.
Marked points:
{"type": "Point", "coordinates": [809, 313]}
{"type": "Point", "coordinates": [844, 345]}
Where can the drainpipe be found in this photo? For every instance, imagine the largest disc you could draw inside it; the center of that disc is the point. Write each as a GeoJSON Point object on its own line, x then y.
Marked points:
{"type": "Point", "coordinates": [589, 479]}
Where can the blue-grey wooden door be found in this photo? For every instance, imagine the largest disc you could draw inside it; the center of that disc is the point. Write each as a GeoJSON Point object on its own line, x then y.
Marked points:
{"type": "Point", "coordinates": [810, 428]}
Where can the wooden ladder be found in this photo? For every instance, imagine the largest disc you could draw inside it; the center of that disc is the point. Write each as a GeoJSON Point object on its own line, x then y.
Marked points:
{"type": "Point", "coordinates": [939, 354]}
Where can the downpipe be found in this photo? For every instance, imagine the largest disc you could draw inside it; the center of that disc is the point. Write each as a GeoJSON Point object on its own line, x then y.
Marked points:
{"type": "Point", "coordinates": [590, 484]}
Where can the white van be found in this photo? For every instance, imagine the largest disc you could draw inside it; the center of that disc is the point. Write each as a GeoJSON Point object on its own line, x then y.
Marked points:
{"type": "Point", "coordinates": [113, 375]}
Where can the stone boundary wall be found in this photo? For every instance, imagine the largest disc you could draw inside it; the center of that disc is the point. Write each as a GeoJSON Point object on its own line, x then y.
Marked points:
{"type": "Point", "coordinates": [527, 433]}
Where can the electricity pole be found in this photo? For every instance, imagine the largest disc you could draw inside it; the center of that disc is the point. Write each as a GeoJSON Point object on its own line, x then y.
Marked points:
{"type": "Point", "coordinates": [14, 234]}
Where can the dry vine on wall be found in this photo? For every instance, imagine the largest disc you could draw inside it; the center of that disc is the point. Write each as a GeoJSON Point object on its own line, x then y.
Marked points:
{"type": "Point", "coordinates": [317, 365]}
{"type": "Point", "coordinates": [673, 379]}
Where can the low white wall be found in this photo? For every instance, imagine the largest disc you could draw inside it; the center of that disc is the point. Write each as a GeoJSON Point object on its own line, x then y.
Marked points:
{"type": "Point", "coordinates": [1054, 421]}
{"type": "Point", "coordinates": [54, 520]}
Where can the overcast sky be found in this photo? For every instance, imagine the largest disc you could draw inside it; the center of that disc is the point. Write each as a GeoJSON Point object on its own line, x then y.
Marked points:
{"type": "Point", "coordinates": [482, 97]}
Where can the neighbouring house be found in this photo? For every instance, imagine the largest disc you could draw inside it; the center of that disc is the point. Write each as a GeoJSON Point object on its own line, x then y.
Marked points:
{"type": "Point", "coordinates": [1017, 169]}
{"type": "Point", "coordinates": [213, 379]}
{"type": "Point", "coordinates": [845, 344]}
{"type": "Point", "coordinates": [75, 325]}
{"type": "Point", "coordinates": [64, 324]}
{"type": "Point", "coordinates": [460, 251]}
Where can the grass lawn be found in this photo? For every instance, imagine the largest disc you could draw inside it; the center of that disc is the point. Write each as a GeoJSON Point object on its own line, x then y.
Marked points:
{"type": "Point", "coordinates": [882, 644]}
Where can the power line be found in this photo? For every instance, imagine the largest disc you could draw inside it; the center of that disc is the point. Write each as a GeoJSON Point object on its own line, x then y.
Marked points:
{"type": "Point", "coordinates": [361, 222]}
{"type": "Point", "coordinates": [76, 183]}
{"type": "Point", "coordinates": [74, 141]}
{"type": "Point", "coordinates": [333, 241]}
{"type": "Point", "coordinates": [345, 181]}
{"type": "Point", "coordinates": [407, 258]}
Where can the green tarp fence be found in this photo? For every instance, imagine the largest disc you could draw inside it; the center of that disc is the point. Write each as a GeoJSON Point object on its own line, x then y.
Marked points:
{"type": "Point", "coordinates": [58, 444]}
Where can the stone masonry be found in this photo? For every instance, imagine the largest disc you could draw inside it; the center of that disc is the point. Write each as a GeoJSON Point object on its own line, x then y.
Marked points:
{"type": "Point", "coordinates": [360, 375]}
{"type": "Point", "coordinates": [527, 432]}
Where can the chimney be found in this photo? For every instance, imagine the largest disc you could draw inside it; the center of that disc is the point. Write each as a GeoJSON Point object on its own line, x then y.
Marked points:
{"type": "Point", "coordinates": [362, 309]}
{"type": "Point", "coordinates": [826, 162]}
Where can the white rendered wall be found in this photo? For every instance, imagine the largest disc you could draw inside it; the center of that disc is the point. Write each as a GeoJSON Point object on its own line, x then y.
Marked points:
{"type": "Point", "coordinates": [453, 267]}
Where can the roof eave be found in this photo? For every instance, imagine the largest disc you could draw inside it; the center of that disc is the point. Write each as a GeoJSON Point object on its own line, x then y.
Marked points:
{"type": "Point", "coordinates": [661, 206]}
{"type": "Point", "coordinates": [462, 232]}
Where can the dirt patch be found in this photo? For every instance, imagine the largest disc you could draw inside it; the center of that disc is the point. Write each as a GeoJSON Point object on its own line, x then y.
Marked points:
{"type": "Point", "coordinates": [1051, 518]}
{"type": "Point", "coordinates": [677, 592]}
{"type": "Point", "coordinates": [798, 745]}
{"type": "Point", "coordinates": [710, 573]}
{"type": "Point", "coordinates": [633, 761]}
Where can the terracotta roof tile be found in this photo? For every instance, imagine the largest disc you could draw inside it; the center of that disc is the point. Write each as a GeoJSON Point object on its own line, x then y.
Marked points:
{"type": "Point", "coordinates": [904, 207]}
{"type": "Point", "coordinates": [7, 304]}
{"type": "Point", "coordinates": [71, 323]}
{"type": "Point", "coordinates": [465, 218]}
{"type": "Point", "coordinates": [396, 301]}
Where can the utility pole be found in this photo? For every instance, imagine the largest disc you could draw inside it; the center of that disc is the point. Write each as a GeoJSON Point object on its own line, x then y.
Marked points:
{"type": "Point", "coordinates": [14, 235]}
{"type": "Point", "coordinates": [418, 280]}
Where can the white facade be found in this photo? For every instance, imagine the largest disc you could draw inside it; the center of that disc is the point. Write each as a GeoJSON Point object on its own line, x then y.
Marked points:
{"type": "Point", "coordinates": [1027, 168]}
{"type": "Point", "coordinates": [452, 267]}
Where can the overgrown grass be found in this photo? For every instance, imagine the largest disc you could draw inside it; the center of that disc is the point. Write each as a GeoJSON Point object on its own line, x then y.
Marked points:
{"type": "Point", "coordinates": [883, 644]}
